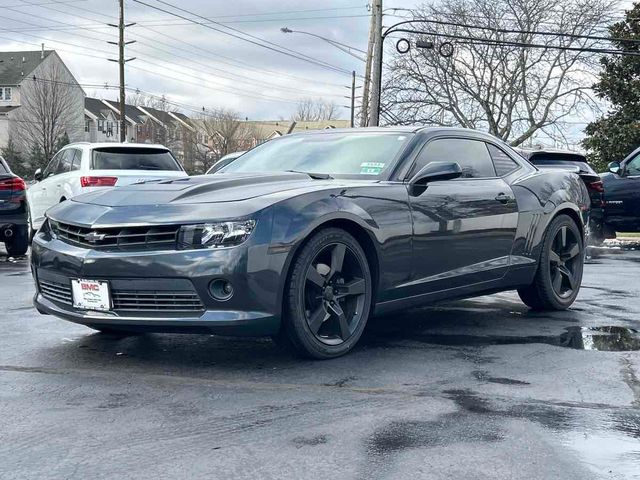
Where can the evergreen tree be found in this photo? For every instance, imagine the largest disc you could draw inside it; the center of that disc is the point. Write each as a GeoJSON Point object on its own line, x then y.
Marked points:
{"type": "Point", "coordinates": [616, 134]}
{"type": "Point", "coordinates": [14, 158]}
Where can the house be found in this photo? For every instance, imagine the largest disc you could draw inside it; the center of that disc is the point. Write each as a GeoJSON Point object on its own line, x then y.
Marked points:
{"type": "Point", "coordinates": [102, 121]}
{"type": "Point", "coordinates": [27, 80]}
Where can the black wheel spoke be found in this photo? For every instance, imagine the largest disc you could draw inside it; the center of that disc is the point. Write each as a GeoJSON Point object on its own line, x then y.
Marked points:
{"type": "Point", "coordinates": [354, 287]}
{"type": "Point", "coordinates": [337, 259]}
{"type": "Point", "coordinates": [314, 276]}
{"type": "Point", "coordinates": [337, 311]}
{"type": "Point", "coordinates": [563, 237]}
{"type": "Point", "coordinates": [557, 281]}
{"type": "Point", "coordinates": [569, 276]}
{"type": "Point", "coordinates": [318, 317]}
{"type": "Point", "coordinates": [554, 257]}
{"type": "Point", "coordinates": [573, 251]}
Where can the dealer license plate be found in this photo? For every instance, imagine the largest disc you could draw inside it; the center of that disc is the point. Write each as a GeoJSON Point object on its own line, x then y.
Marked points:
{"type": "Point", "coordinates": [91, 295]}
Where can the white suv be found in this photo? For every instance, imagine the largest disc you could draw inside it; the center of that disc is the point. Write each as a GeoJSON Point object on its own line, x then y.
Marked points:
{"type": "Point", "coordinates": [84, 167]}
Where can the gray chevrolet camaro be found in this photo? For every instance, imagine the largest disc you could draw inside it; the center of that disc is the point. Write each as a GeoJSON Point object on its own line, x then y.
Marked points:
{"type": "Point", "coordinates": [304, 237]}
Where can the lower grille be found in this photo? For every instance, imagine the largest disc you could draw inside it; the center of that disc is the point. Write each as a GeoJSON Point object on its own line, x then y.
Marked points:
{"type": "Point", "coordinates": [147, 301]}
{"type": "Point", "coordinates": [58, 292]}
{"type": "Point", "coordinates": [131, 300]}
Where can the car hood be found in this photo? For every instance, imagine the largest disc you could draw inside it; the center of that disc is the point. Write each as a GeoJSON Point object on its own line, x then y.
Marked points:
{"type": "Point", "coordinates": [201, 189]}
{"type": "Point", "coordinates": [191, 199]}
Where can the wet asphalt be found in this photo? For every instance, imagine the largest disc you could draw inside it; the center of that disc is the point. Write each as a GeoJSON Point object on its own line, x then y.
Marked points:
{"type": "Point", "coordinates": [470, 389]}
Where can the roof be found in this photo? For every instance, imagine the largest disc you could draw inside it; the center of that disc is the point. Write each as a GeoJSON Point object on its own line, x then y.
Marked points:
{"type": "Point", "coordinates": [95, 107]}
{"type": "Point", "coordinates": [114, 144]}
{"type": "Point", "coordinates": [163, 117]}
{"type": "Point", "coordinates": [130, 111]}
{"type": "Point", "coordinates": [4, 110]}
{"type": "Point", "coordinates": [15, 66]}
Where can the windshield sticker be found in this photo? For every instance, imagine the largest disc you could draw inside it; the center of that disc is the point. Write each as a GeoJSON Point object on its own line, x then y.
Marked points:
{"type": "Point", "coordinates": [371, 168]}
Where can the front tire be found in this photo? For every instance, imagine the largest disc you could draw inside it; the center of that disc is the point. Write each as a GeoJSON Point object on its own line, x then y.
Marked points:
{"type": "Point", "coordinates": [328, 296]}
{"type": "Point", "coordinates": [18, 244]}
{"type": "Point", "coordinates": [557, 281]}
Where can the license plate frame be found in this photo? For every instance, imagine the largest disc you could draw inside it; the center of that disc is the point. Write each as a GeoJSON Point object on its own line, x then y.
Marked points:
{"type": "Point", "coordinates": [91, 294]}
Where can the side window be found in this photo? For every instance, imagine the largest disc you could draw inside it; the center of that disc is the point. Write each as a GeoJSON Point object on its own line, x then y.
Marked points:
{"type": "Point", "coordinates": [472, 156]}
{"type": "Point", "coordinates": [65, 161]}
{"type": "Point", "coordinates": [53, 164]}
{"type": "Point", "coordinates": [77, 159]}
{"type": "Point", "coordinates": [504, 163]}
{"type": "Point", "coordinates": [632, 169]}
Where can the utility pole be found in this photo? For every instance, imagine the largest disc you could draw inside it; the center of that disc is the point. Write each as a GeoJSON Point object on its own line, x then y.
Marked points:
{"type": "Point", "coordinates": [353, 98]}
{"type": "Point", "coordinates": [376, 87]}
{"type": "Point", "coordinates": [121, 62]}
{"type": "Point", "coordinates": [364, 114]}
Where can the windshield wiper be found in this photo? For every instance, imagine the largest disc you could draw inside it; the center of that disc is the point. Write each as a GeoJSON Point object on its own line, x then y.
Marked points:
{"type": "Point", "coordinates": [315, 176]}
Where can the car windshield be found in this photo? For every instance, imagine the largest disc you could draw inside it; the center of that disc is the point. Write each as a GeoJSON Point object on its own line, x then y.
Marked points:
{"type": "Point", "coordinates": [127, 158]}
{"type": "Point", "coordinates": [363, 153]}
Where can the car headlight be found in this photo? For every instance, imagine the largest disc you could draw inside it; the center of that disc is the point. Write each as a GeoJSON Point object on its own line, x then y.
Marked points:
{"type": "Point", "coordinates": [215, 235]}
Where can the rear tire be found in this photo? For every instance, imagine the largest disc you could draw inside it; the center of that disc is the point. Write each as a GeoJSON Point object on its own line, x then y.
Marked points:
{"type": "Point", "coordinates": [557, 281]}
{"type": "Point", "coordinates": [18, 244]}
{"type": "Point", "coordinates": [328, 296]}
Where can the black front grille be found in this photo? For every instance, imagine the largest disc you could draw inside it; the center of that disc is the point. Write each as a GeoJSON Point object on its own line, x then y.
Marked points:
{"type": "Point", "coordinates": [156, 237]}
{"type": "Point", "coordinates": [60, 292]}
{"type": "Point", "coordinates": [140, 300]}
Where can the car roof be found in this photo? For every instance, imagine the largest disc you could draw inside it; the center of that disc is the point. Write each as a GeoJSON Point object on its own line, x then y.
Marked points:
{"type": "Point", "coordinates": [92, 146]}
{"type": "Point", "coordinates": [397, 129]}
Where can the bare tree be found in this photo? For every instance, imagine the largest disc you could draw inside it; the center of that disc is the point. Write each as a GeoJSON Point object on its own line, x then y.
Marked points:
{"type": "Point", "coordinates": [222, 132]}
{"type": "Point", "coordinates": [315, 110]}
{"type": "Point", "coordinates": [49, 103]}
{"type": "Point", "coordinates": [495, 80]}
{"type": "Point", "coordinates": [144, 100]}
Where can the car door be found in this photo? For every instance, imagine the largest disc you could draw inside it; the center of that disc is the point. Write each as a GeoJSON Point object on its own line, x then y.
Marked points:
{"type": "Point", "coordinates": [39, 192]}
{"type": "Point", "coordinates": [65, 174]}
{"type": "Point", "coordinates": [622, 197]}
{"type": "Point", "coordinates": [463, 229]}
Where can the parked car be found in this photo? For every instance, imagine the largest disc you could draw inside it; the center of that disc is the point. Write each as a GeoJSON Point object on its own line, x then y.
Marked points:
{"type": "Point", "coordinates": [223, 162]}
{"type": "Point", "coordinates": [572, 160]}
{"type": "Point", "coordinates": [14, 230]}
{"type": "Point", "coordinates": [84, 167]}
{"type": "Point", "coordinates": [622, 194]}
{"type": "Point", "coordinates": [305, 236]}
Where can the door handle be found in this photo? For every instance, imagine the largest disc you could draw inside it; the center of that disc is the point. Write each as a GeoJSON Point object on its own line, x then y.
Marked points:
{"type": "Point", "coordinates": [503, 198]}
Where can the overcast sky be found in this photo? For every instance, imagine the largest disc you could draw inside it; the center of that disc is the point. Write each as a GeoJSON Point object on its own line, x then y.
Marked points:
{"type": "Point", "coordinates": [197, 66]}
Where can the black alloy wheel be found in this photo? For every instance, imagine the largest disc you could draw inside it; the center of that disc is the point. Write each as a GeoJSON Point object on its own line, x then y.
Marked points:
{"type": "Point", "coordinates": [563, 262]}
{"type": "Point", "coordinates": [334, 294]}
{"type": "Point", "coordinates": [559, 275]}
{"type": "Point", "coordinates": [329, 296]}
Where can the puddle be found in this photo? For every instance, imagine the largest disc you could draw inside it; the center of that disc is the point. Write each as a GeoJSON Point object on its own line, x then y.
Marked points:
{"type": "Point", "coordinates": [606, 339]}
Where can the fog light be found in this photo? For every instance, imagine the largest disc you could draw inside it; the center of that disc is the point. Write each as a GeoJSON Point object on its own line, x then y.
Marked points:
{"type": "Point", "coordinates": [221, 289]}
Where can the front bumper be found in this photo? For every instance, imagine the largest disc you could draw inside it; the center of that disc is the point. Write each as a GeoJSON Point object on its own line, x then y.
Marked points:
{"type": "Point", "coordinates": [253, 310]}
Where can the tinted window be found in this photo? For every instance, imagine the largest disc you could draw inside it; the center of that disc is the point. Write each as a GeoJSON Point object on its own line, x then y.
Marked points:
{"type": "Point", "coordinates": [66, 159]}
{"type": "Point", "coordinates": [633, 167]}
{"type": "Point", "coordinates": [77, 158]}
{"type": "Point", "coordinates": [358, 153]}
{"type": "Point", "coordinates": [472, 156]}
{"type": "Point", "coordinates": [51, 168]}
{"type": "Point", "coordinates": [501, 161]}
{"type": "Point", "coordinates": [124, 158]}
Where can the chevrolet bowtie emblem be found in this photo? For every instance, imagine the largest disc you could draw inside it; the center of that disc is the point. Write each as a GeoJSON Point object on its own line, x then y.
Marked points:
{"type": "Point", "coordinates": [94, 237]}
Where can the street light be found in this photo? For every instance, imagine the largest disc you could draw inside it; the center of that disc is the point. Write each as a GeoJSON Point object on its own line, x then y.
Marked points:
{"type": "Point", "coordinates": [342, 46]}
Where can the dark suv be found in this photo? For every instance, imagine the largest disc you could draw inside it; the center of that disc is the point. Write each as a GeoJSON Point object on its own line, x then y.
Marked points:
{"type": "Point", "coordinates": [14, 229]}
{"type": "Point", "coordinates": [622, 199]}
{"type": "Point", "coordinates": [593, 182]}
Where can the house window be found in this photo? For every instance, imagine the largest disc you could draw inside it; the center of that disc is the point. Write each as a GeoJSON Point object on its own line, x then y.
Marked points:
{"type": "Point", "coordinates": [87, 125]}
{"type": "Point", "coordinates": [101, 125]}
{"type": "Point", "coordinates": [5, 93]}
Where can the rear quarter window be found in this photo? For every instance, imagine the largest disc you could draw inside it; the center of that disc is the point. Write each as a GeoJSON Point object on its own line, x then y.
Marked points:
{"type": "Point", "coordinates": [3, 169]}
{"type": "Point", "coordinates": [123, 158]}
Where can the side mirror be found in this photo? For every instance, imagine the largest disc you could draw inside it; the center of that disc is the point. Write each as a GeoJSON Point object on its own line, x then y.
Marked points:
{"type": "Point", "coordinates": [614, 167]}
{"type": "Point", "coordinates": [37, 176]}
{"type": "Point", "coordinates": [432, 172]}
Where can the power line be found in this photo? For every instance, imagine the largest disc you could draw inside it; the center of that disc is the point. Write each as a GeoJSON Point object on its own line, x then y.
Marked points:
{"type": "Point", "coordinates": [245, 65]}
{"type": "Point", "coordinates": [252, 39]}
